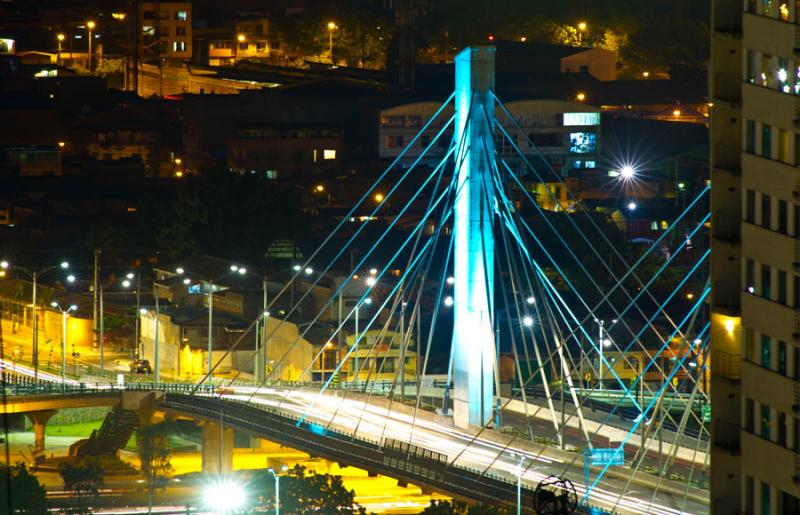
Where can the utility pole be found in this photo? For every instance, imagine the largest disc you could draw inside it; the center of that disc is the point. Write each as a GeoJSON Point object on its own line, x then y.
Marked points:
{"type": "Point", "coordinates": [102, 336]}
{"type": "Point", "coordinates": [210, 328]}
{"type": "Point", "coordinates": [94, 297]}
{"type": "Point", "coordinates": [34, 326]}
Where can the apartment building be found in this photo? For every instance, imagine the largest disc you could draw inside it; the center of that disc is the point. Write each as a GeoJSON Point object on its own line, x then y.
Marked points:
{"type": "Point", "coordinates": [755, 263]}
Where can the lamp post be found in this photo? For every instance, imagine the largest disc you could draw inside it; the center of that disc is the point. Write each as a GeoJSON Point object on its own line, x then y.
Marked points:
{"type": "Point", "coordinates": [277, 477]}
{"type": "Point", "coordinates": [34, 275]}
{"type": "Point", "coordinates": [127, 283]}
{"type": "Point", "coordinates": [370, 282]}
{"type": "Point", "coordinates": [519, 484]}
{"type": "Point", "coordinates": [60, 37]}
{"type": "Point", "coordinates": [212, 288]}
{"type": "Point", "coordinates": [156, 365]}
{"type": "Point", "coordinates": [331, 27]}
{"type": "Point", "coordinates": [240, 38]}
{"type": "Point", "coordinates": [90, 25]}
{"type": "Point", "coordinates": [64, 314]}
{"type": "Point", "coordinates": [581, 30]}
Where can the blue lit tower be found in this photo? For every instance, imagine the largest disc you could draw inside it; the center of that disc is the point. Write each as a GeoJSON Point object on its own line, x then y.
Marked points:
{"type": "Point", "coordinates": [473, 336]}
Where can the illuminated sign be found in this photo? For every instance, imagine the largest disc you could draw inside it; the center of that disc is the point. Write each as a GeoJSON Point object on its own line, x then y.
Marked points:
{"type": "Point", "coordinates": [582, 142]}
{"type": "Point", "coordinates": [580, 119]}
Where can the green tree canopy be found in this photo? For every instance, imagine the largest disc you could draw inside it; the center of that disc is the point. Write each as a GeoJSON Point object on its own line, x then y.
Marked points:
{"type": "Point", "coordinates": [20, 491]}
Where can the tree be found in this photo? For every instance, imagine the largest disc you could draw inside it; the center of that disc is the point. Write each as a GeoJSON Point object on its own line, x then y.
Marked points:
{"type": "Point", "coordinates": [84, 478]}
{"type": "Point", "coordinates": [154, 453]}
{"type": "Point", "coordinates": [361, 38]}
{"type": "Point", "coordinates": [308, 493]}
{"type": "Point", "coordinates": [20, 491]}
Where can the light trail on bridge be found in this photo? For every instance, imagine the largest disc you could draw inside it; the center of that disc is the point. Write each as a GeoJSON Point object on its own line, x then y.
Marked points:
{"type": "Point", "coordinates": [375, 423]}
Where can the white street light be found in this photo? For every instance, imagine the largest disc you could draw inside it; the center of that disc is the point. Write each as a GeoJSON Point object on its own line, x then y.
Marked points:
{"type": "Point", "coordinates": [179, 271]}
{"type": "Point", "coordinates": [129, 275]}
{"type": "Point", "coordinates": [234, 268]}
{"type": "Point", "coordinates": [64, 315]}
{"type": "Point", "coordinates": [451, 280]}
{"type": "Point", "coordinates": [371, 281]}
{"type": "Point", "coordinates": [632, 206]}
{"type": "Point", "coordinates": [225, 496]}
{"type": "Point", "coordinates": [627, 172]}
{"type": "Point", "coordinates": [126, 283]}
{"type": "Point", "coordinates": [297, 268]}
{"type": "Point", "coordinates": [527, 321]}
{"type": "Point", "coordinates": [530, 300]}
{"type": "Point", "coordinates": [373, 271]}
{"type": "Point", "coordinates": [448, 301]}
{"type": "Point", "coordinates": [70, 278]}
{"type": "Point", "coordinates": [64, 265]}
{"type": "Point", "coordinates": [277, 477]}
{"type": "Point", "coordinates": [309, 270]}
{"type": "Point", "coordinates": [4, 264]}
{"type": "Point", "coordinates": [187, 281]}
{"type": "Point", "coordinates": [368, 301]}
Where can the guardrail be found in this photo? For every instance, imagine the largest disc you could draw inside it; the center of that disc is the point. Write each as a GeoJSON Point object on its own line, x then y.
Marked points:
{"type": "Point", "coordinates": [400, 460]}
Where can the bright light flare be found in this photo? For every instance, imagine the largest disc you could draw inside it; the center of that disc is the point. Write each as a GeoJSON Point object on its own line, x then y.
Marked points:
{"type": "Point", "coordinates": [448, 301]}
{"type": "Point", "coordinates": [627, 172]}
{"type": "Point", "coordinates": [224, 496]}
{"type": "Point", "coordinates": [371, 281]}
{"type": "Point", "coordinates": [527, 321]}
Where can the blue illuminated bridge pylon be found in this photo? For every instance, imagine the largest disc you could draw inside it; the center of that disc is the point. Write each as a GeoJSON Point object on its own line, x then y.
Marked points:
{"type": "Point", "coordinates": [581, 319]}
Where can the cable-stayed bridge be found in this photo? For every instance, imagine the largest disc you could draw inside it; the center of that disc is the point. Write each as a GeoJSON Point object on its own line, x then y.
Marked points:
{"type": "Point", "coordinates": [610, 370]}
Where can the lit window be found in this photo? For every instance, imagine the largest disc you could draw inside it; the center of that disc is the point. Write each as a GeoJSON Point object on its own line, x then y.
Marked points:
{"type": "Point", "coordinates": [181, 15]}
{"type": "Point", "coordinates": [272, 174]}
{"type": "Point", "coordinates": [178, 46]}
{"type": "Point", "coordinates": [590, 164]}
{"type": "Point", "coordinates": [654, 226]}
{"type": "Point", "coordinates": [328, 154]}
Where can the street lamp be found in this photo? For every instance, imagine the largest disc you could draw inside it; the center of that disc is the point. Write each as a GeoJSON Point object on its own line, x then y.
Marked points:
{"type": "Point", "coordinates": [90, 25]}
{"type": "Point", "coordinates": [126, 283]}
{"type": "Point", "coordinates": [627, 172]}
{"type": "Point", "coordinates": [225, 496]}
{"type": "Point", "coordinates": [331, 27]}
{"type": "Point", "coordinates": [60, 37]}
{"type": "Point", "coordinates": [240, 38]}
{"type": "Point", "coordinates": [212, 288]}
{"type": "Point", "coordinates": [581, 30]}
{"type": "Point", "coordinates": [519, 472]}
{"type": "Point", "coordinates": [64, 314]}
{"type": "Point", "coordinates": [156, 367]}
{"type": "Point", "coordinates": [277, 477]}
{"type": "Point", "coordinates": [34, 275]}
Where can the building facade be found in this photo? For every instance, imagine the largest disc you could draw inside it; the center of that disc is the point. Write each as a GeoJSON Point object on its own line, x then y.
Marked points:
{"type": "Point", "coordinates": [755, 259]}
{"type": "Point", "coordinates": [166, 30]}
{"type": "Point", "coordinates": [565, 134]}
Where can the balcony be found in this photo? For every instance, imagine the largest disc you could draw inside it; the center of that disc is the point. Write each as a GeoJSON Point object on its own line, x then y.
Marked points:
{"type": "Point", "coordinates": [780, 35]}
{"type": "Point", "coordinates": [727, 365]}
{"type": "Point", "coordinates": [768, 105]}
{"type": "Point", "coordinates": [726, 435]}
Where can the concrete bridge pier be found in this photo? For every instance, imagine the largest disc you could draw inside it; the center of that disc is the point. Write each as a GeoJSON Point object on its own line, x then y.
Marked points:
{"type": "Point", "coordinates": [217, 448]}
{"type": "Point", "coordinates": [39, 420]}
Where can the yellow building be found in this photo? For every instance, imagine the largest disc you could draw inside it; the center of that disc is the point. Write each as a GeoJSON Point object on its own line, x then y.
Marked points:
{"type": "Point", "coordinates": [378, 357]}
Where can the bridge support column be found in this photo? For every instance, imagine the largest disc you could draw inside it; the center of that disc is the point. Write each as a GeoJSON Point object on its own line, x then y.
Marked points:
{"type": "Point", "coordinates": [217, 449]}
{"type": "Point", "coordinates": [473, 256]}
{"type": "Point", "coordinates": [39, 420]}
